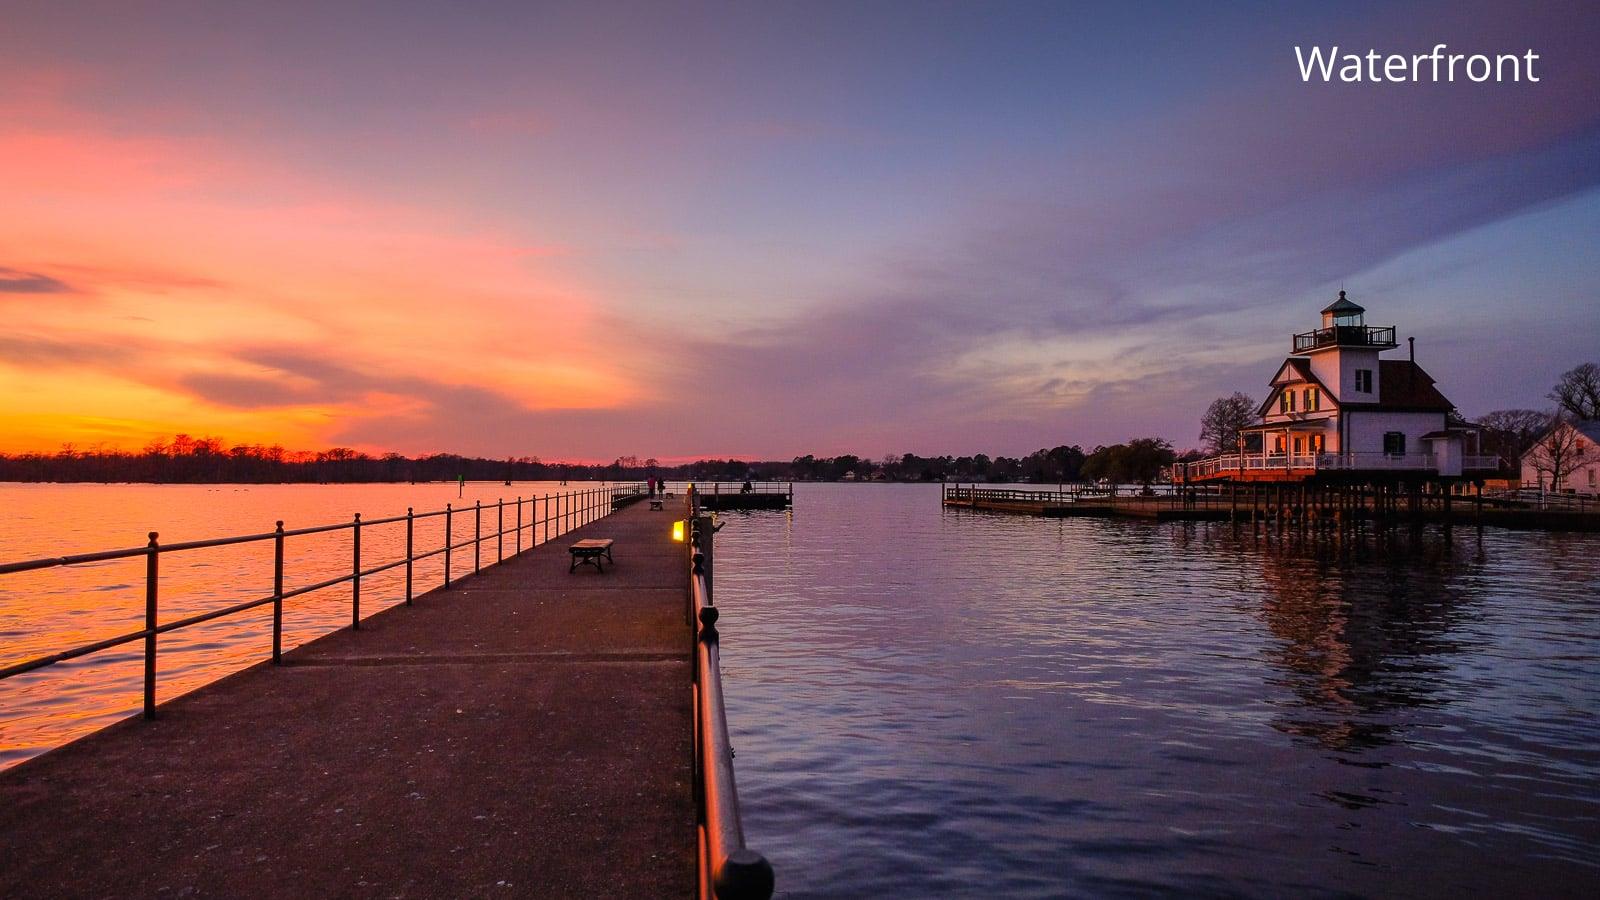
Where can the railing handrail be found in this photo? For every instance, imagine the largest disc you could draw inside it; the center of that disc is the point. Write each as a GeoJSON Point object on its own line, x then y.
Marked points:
{"type": "Point", "coordinates": [727, 869]}
{"type": "Point", "coordinates": [1346, 460]}
{"type": "Point", "coordinates": [759, 487]}
{"type": "Point", "coordinates": [1358, 335]}
{"type": "Point", "coordinates": [570, 510]}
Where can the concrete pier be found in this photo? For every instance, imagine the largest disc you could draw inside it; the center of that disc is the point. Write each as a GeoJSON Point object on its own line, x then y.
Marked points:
{"type": "Point", "coordinates": [525, 733]}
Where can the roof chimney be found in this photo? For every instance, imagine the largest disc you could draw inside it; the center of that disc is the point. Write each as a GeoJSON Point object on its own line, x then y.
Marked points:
{"type": "Point", "coordinates": [1413, 344]}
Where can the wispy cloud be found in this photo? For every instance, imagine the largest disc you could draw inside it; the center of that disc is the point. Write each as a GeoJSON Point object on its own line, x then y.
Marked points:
{"type": "Point", "coordinates": [14, 281]}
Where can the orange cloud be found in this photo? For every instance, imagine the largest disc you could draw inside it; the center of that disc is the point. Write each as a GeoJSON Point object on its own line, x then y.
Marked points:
{"type": "Point", "coordinates": [189, 252]}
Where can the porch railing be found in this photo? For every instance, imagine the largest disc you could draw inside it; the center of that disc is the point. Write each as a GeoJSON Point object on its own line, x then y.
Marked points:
{"type": "Point", "coordinates": [1267, 462]}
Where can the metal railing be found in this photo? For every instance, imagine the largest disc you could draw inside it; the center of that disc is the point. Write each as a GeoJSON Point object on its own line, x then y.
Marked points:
{"type": "Point", "coordinates": [1570, 500]}
{"type": "Point", "coordinates": [562, 513]}
{"type": "Point", "coordinates": [727, 869]}
{"type": "Point", "coordinates": [1345, 335]}
{"type": "Point", "coordinates": [676, 488]}
{"type": "Point", "coordinates": [1088, 493]}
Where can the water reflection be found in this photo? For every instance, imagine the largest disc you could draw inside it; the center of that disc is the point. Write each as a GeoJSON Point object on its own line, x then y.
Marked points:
{"type": "Point", "coordinates": [931, 703]}
{"type": "Point", "coordinates": [927, 700]}
{"type": "Point", "coordinates": [1365, 620]}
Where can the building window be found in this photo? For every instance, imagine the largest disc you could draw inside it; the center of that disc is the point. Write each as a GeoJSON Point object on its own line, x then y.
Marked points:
{"type": "Point", "coordinates": [1312, 399]}
{"type": "Point", "coordinates": [1592, 472]}
{"type": "Point", "coordinates": [1364, 381]}
{"type": "Point", "coordinates": [1299, 446]}
{"type": "Point", "coordinates": [1394, 443]}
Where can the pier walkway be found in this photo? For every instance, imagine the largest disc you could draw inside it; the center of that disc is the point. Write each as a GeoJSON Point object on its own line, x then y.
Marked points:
{"type": "Point", "coordinates": [524, 733]}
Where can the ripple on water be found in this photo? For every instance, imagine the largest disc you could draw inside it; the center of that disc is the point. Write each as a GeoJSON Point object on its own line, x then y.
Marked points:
{"type": "Point", "coordinates": [948, 703]}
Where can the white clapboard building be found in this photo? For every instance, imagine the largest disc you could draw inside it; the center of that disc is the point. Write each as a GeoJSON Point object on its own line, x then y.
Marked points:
{"type": "Point", "coordinates": [1336, 405]}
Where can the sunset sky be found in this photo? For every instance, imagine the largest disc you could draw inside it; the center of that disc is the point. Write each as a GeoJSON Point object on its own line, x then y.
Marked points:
{"type": "Point", "coordinates": [586, 230]}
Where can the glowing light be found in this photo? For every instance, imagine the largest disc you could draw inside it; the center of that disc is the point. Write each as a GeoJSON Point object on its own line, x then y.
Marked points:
{"type": "Point", "coordinates": [677, 531]}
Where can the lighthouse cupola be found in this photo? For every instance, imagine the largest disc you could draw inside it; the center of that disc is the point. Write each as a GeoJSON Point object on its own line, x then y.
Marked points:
{"type": "Point", "coordinates": [1343, 311]}
{"type": "Point", "coordinates": [1344, 326]}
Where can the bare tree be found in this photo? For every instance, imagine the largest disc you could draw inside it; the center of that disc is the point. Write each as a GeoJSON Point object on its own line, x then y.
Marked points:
{"type": "Point", "coordinates": [1509, 433]}
{"type": "Point", "coordinates": [1555, 455]}
{"type": "Point", "coordinates": [1219, 427]}
{"type": "Point", "coordinates": [1578, 391]}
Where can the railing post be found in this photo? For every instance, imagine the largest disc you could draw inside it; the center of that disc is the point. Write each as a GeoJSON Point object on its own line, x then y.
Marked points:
{"type": "Point", "coordinates": [411, 523]}
{"type": "Point", "coordinates": [448, 540]}
{"type": "Point", "coordinates": [277, 595]}
{"type": "Point", "coordinates": [705, 555]}
{"type": "Point", "coordinates": [355, 575]}
{"type": "Point", "coordinates": [500, 530]}
{"type": "Point", "coordinates": [519, 526]}
{"type": "Point", "coordinates": [477, 535]}
{"type": "Point", "coordinates": [151, 573]}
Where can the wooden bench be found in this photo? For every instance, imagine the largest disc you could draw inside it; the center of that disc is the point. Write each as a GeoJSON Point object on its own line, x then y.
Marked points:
{"type": "Point", "coordinates": [656, 504]}
{"type": "Point", "coordinates": [589, 552]}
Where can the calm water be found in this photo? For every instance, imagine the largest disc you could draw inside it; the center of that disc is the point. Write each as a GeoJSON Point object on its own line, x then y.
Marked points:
{"type": "Point", "coordinates": [931, 703]}
{"type": "Point", "coordinates": [55, 609]}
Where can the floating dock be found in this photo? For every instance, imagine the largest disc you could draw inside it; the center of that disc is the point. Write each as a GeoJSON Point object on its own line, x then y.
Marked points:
{"type": "Point", "coordinates": [525, 732]}
{"type": "Point", "coordinates": [723, 496]}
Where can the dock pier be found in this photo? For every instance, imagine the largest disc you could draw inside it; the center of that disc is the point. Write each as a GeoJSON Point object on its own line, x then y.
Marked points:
{"type": "Point", "coordinates": [1301, 503]}
{"type": "Point", "coordinates": [518, 731]}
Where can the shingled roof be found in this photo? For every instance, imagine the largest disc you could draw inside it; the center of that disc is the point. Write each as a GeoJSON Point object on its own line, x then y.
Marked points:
{"type": "Point", "coordinates": [1402, 384]}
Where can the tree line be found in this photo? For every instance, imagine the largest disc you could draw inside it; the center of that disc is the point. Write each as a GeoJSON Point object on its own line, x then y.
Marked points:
{"type": "Point", "coordinates": [1140, 460]}
{"type": "Point", "coordinates": [1508, 433]}
{"type": "Point", "coordinates": [184, 459]}
{"type": "Point", "coordinates": [209, 460]}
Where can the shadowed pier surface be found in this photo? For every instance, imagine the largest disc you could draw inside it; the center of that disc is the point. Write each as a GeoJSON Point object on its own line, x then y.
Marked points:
{"type": "Point", "coordinates": [527, 732]}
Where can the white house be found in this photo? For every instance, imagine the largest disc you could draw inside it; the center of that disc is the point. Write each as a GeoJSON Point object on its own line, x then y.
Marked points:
{"type": "Point", "coordinates": [1335, 404]}
{"type": "Point", "coordinates": [1579, 458]}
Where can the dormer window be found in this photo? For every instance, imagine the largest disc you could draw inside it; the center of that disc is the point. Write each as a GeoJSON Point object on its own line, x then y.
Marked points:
{"type": "Point", "coordinates": [1286, 401]}
{"type": "Point", "coordinates": [1364, 381]}
{"type": "Point", "coordinates": [1313, 399]}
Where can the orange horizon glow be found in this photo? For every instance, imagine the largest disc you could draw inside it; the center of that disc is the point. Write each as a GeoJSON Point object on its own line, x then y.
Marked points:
{"type": "Point", "coordinates": [174, 266]}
